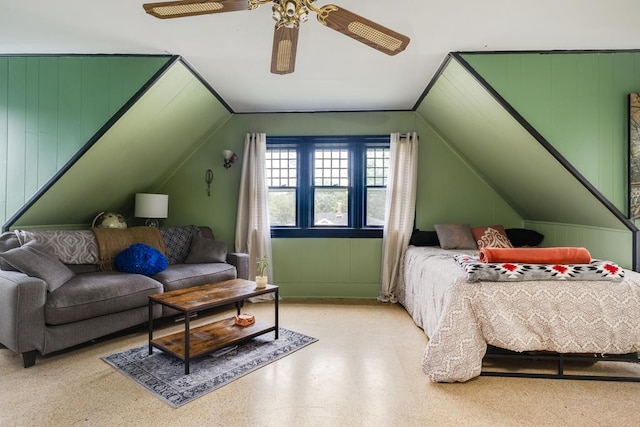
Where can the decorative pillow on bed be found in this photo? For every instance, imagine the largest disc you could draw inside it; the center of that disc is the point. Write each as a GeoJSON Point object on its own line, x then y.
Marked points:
{"type": "Point", "coordinates": [455, 236]}
{"type": "Point", "coordinates": [424, 238]}
{"type": "Point", "coordinates": [514, 272]}
{"type": "Point", "coordinates": [521, 237]}
{"type": "Point", "coordinates": [492, 236]}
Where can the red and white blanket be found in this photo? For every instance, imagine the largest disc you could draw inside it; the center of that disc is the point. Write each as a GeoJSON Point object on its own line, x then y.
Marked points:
{"type": "Point", "coordinates": [513, 271]}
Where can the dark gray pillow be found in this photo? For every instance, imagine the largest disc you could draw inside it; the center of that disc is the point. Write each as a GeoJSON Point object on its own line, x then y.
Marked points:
{"type": "Point", "coordinates": [455, 236]}
{"type": "Point", "coordinates": [8, 241]}
{"type": "Point", "coordinates": [205, 250]}
{"type": "Point", "coordinates": [35, 260]}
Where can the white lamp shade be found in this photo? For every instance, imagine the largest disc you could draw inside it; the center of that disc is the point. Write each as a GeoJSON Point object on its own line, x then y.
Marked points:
{"type": "Point", "coordinates": [152, 205]}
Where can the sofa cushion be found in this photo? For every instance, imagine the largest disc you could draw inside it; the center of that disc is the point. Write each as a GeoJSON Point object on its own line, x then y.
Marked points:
{"type": "Point", "coordinates": [177, 241]}
{"type": "Point", "coordinates": [205, 250]}
{"type": "Point", "coordinates": [35, 260]}
{"type": "Point", "coordinates": [180, 276]}
{"type": "Point", "coordinates": [140, 259]}
{"type": "Point", "coordinates": [90, 295]}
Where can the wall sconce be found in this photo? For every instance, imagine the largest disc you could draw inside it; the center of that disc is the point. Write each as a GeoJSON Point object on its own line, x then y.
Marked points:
{"type": "Point", "coordinates": [229, 158]}
{"type": "Point", "coordinates": [152, 207]}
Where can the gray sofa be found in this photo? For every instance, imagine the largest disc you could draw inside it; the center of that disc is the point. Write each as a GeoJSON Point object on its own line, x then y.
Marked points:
{"type": "Point", "coordinates": [38, 318]}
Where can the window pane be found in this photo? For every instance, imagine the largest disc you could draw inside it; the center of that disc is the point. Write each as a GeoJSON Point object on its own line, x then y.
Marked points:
{"type": "Point", "coordinates": [282, 165]}
{"type": "Point", "coordinates": [282, 207]}
{"type": "Point", "coordinates": [377, 166]}
{"type": "Point", "coordinates": [330, 207]}
{"type": "Point", "coordinates": [375, 206]}
{"type": "Point", "coordinates": [331, 168]}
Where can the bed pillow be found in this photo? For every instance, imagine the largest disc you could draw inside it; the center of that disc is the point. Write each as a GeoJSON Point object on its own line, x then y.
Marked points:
{"type": "Point", "coordinates": [140, 259]}
{"type": "Point", "coordinates": [424, 238]}
{"type": "Point", "coordinates": [493, 236]}
{"type": "Point", "coordinates": [455, 236]}
{"type": "Point", "coordinates": [204, 250]}
{"type": "Point", "coordinates": [34, 260]}
{"type": "Point", "coordinates": [520, 237]}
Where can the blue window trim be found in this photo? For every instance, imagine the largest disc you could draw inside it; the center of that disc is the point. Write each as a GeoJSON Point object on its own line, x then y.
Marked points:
{"type": "Point", "coordinates": [357, 145]}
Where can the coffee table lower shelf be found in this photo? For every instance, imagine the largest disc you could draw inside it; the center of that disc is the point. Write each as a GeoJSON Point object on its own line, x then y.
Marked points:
{"type": "Point", "coordinates": [208, 338]}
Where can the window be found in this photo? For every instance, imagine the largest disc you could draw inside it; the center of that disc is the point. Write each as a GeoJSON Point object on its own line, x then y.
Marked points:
{"type": "Point", "coordinates": [327, 186]}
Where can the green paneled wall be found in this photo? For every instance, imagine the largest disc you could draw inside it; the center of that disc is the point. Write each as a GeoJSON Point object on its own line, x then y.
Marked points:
{"type": "Point", "coordinates": [50, 106]}
{"type": "Point", "coordinates": [345, 268]}
{"type": "Point", "coordinates": [578, 102]}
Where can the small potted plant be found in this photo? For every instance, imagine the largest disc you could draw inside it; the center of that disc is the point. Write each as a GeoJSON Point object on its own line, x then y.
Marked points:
{"type": "Point", "coordinates": [261, 279]}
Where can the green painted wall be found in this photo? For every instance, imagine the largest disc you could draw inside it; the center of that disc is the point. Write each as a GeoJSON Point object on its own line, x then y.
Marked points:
{"type": "Point", "coordinates": [345, 268]}
{"type": "Point", "coordinates": [50, 106]}
{"type": "Point", "coordinates": [578, 102]}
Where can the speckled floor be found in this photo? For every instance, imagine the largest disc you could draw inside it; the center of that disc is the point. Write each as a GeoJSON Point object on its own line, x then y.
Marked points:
{"type": "Point", "coordinates": [364, 371]}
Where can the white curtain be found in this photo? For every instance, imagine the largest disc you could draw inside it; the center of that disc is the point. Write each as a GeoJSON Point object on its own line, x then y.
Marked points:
{"type": "Point", "coordinates": [253, 232]}
{"type": "Point", "coordinates": [400, 208]}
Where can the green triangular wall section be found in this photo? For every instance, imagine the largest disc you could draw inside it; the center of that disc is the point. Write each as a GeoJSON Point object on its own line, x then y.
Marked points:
{"type": "Point", "coordinates": [576, 101]}
{"type": "Point", "coordinates": [50, 106]}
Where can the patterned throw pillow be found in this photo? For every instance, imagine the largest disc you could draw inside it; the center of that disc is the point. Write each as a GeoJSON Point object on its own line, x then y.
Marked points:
{"type": "Point", "coordinates": [493, 236]}
{"type": "Point", "coordinates": [177, 240]}
{"type": "Point", "coordinates": [70, 246]}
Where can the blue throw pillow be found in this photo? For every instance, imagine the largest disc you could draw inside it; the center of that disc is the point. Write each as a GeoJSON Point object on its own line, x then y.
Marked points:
{"type": "Point", "coordinates": [141, 259]}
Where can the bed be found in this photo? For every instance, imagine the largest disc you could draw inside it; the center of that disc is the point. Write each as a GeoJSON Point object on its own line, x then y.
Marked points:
{"type": "Point", "coordinates": [462, 318]}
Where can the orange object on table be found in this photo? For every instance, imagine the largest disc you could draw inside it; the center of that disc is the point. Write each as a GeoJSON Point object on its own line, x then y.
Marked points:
{"type": "Point", "coordinates": [245, 319]}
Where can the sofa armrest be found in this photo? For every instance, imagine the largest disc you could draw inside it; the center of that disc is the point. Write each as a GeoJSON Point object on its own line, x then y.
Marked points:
{"type": "Point", "coordinates": [22, 301]}
{"type": "Point", "coordinates": [241, 262]}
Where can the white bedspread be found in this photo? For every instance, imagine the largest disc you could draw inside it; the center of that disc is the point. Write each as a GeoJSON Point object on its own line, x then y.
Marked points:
{"type": "Point", "coordinates": [461, 318]}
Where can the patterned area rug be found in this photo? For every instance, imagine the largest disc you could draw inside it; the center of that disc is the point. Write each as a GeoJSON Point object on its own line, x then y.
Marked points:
{"type": "Point", "coordinates": [163, 375]}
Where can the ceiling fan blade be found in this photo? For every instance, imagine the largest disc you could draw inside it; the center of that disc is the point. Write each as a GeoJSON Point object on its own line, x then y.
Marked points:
{"type": "Point", "coordinates": [361, 29]}
{"type": "Point", "coordinates": [283, 55]}
{"type": "Point", "coordinates": [178, 9]}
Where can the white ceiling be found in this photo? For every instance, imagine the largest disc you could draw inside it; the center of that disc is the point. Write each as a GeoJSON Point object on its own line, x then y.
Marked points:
{"type": "Point", "coordinates": [333, 72]}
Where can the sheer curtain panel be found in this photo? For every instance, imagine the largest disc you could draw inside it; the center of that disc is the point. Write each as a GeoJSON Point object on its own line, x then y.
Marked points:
{"type": "Point", "coordinates": [253, 231]}
{"type": "Point", "coordinates": [400, 208]}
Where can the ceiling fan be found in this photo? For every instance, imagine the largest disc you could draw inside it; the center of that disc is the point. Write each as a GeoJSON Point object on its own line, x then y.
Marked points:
{"type": "Point", "coordinates": [288, 15]}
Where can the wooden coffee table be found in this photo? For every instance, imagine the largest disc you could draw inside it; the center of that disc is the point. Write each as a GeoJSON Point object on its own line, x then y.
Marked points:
{"type": "Point", "coordinates": [201, 340]}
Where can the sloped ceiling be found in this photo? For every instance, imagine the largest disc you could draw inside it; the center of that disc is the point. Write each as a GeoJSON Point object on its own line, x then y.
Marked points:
{"type": "Point", "coordinates": [333, 72]}
{"type": "Point", "coordinates": [509, 156]}
{"type": "Point", "coordinates": [140, 150]}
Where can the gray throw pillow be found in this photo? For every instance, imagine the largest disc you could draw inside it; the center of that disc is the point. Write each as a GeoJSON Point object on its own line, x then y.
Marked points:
{"type": "Point", "coordinates": [8, 241]}
{"type": "Point", "coordinates": [455, 236]}
{"type": "Point", "coordinates": [205, 250]}
{"type": "Point", "coordinates": [35, 260]}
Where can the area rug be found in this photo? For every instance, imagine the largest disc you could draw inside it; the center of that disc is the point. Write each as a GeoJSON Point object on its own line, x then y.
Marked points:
{"type": "Point", "coordinates": [163, 375]}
